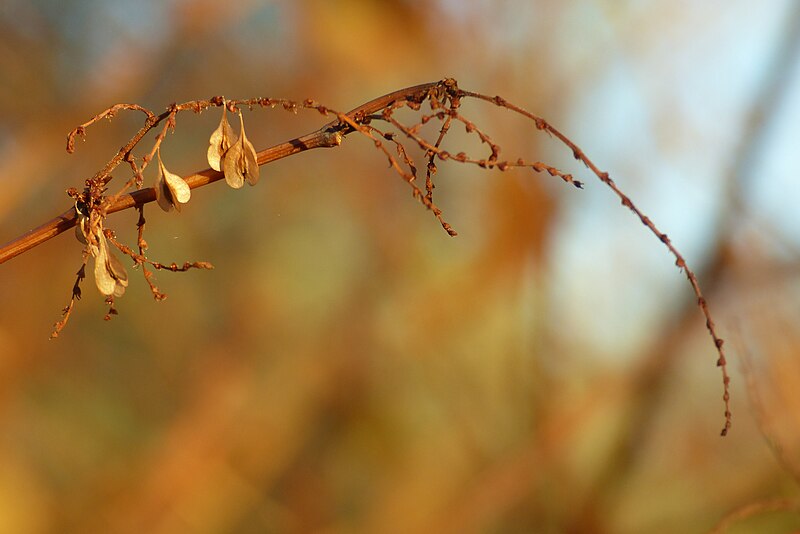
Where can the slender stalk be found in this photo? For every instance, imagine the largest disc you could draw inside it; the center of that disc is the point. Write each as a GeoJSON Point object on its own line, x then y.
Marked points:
{"type": "Point", "coordinates": [444, 98]}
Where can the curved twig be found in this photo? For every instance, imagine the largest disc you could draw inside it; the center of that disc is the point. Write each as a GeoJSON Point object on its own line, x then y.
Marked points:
{"type": "Point", "coordinates": [444, 98]}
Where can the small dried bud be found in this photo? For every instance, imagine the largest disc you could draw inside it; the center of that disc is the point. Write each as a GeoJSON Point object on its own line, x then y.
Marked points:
{"type": "Point", "coordinates": [239, 162]}
{"type": "Point", "coordinates": [171, 189]}
{"type": "Point", "coordinates": [220, 141]}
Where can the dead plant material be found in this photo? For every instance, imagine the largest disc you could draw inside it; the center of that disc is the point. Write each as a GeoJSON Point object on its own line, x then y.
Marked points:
{"type": "Point", "coordinates": [236, 161]}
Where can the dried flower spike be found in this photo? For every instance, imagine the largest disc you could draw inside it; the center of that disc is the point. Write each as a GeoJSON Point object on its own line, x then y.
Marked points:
{"type": "Point", "coordinates": [171, 189]}
{"type": "Point", "coordinates": [220, 141]}
{"type": "Point", "coordinates": [239, 162]}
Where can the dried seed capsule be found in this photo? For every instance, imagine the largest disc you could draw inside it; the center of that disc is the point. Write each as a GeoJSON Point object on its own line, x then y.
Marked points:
{"type": "Point", "coordinates": [220, 141]}
{"type": "Point", "coordinates": [109, 273]}
{"type": "Point", "coordinates": [240, 163]}
{"type": "Point", "coordinates": [171, 189]}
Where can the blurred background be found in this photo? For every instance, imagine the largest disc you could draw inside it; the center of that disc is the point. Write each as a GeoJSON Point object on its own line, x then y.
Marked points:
{"type": "Point", "coordinates": [347, 366]}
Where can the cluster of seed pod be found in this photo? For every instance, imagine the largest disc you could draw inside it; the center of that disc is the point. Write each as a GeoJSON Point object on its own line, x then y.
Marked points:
{"type": "Point", "coordinates": [109, 273]}
{"type": "Point", "coordinates": [236, 159]}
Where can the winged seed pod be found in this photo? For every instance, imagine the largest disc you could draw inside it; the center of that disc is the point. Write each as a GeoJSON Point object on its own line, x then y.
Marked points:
{"type": "Point", "coordinates": [109, 273]}
{"type": "Point", "coordinates": [171, 189]}
{"type": "Point", "coordinates": [239, 162]}
{"type": "Point", "coordinates": [220, 140]}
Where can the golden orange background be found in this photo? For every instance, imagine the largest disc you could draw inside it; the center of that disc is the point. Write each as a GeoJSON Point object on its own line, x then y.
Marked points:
{"type": "Point", "coordinates": [347, 366]}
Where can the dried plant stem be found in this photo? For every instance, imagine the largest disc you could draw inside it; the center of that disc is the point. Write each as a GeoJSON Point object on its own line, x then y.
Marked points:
{"type": "Point", "coordinates": [680, 262]}
{"type": "Point", "coordinates": [444, 98]}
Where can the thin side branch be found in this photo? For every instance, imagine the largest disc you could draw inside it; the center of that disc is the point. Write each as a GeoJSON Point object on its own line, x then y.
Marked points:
{"type": "Point", "coordinates": [680, 262]}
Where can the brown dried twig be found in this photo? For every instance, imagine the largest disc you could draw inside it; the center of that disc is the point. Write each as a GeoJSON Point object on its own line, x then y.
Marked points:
{"type": "Point", "coordinates": [93, 205]}
{"type": "Point", "coordinates": [680, 262]}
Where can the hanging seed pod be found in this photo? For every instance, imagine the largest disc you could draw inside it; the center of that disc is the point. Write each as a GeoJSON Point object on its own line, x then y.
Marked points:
{"type": "Point", "coordinates": [109, 273]}
{"type": "Point", "coordinates": [240, 162]}
{"type": "Point", "coordinates": [220, 141]}
{"type": "Point", "coordinates": [171, 189]}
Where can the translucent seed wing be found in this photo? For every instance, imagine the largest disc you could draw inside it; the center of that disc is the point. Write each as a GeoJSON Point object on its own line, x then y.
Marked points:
{"type": "Point", "coordinates": [232, 165]}
{"type": "Point", "coordinates": [220, 141]}
{"type": "Point", "coordinates": [117, 272]}
{"type": "Point", "coordinates": [171, 189]}
{"type": "Point", "coordinates": [163, 196]}
{"type": "Point", "coordinates": [178, 188]}
{"type": "Point", "coordinates": [240, 162]}
{"type": "Point", "coordinates": [251, 170]}
{"type": "Point", "coordinates": [105, 282]}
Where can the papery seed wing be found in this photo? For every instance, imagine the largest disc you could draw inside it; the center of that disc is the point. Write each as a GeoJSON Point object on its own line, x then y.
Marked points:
{"type": "Point", "coordinates": [106, 283]}
{"type": "Point", "coordinates": [251, 170]}
{"type": "Point", "coordinates": [178, 188]}
{"type": "Point", "coordinates": [116, 268]}
{"type": "Point", "coordinates": [119, 289]}
{"type": "Point", "coordinates": [232, 165]}
{"type": "Point", "coordinates": [80, 229]}
{"type": "Point", "coordinates": [163, 195]}
{"type": "Point", "coordinates": [117, 272]}
{"type": "Point", "coordinates": [220, 141]}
